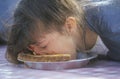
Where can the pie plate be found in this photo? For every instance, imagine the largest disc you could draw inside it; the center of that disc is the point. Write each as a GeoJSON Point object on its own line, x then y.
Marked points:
{"type": "Point", "coordinates": [82, 60]}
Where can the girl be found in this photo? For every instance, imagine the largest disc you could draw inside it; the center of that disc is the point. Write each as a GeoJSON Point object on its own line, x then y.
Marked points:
{"type": "Point", "coordinates": [62, 26]}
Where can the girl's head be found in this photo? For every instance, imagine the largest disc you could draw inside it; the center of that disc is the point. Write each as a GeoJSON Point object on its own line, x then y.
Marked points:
{"type": "Point", "coordinates": [46, 26]}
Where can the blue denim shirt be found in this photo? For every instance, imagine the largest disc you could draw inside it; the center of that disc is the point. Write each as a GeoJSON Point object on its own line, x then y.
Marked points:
{"type": "Point", "coordinates": [103, 17]}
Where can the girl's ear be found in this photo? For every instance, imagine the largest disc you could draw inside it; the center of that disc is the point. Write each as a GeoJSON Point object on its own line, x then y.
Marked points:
{"type": "Point", "coordinates": [71, 24]}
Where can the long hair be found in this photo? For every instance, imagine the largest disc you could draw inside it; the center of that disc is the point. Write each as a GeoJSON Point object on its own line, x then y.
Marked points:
{"type": "Point", "coordinates": [49, 12]}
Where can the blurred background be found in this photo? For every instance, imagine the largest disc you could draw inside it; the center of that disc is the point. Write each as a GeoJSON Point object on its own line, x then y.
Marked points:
{"type": "Point", "coordinates": [7, 8]}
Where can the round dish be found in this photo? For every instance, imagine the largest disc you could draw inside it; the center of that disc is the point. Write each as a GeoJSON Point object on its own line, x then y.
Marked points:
{"type": "Point", "coordinates": [82, 60]}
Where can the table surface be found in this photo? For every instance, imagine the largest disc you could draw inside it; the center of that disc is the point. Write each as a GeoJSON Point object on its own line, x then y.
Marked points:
{"type": "Point", "coordinates": [100, 69]}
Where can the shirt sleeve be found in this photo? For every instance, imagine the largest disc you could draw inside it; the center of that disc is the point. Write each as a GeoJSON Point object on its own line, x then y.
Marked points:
{"type": "Point", "coordinates": [104, 19]}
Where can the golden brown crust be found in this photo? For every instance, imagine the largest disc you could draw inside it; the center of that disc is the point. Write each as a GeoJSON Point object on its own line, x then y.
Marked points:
{"type": "Point", "coordinates": [44, 58]}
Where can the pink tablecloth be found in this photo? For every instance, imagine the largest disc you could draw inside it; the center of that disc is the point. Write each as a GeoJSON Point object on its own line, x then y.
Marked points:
{"type": "Point", "coordinates": [101, 69]}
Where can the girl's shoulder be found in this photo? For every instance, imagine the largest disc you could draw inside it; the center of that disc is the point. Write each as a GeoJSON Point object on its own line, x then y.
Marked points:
{"type": "Point", "coordinates": [103, 16]}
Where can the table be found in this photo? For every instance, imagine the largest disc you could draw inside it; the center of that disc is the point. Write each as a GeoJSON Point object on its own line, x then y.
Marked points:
{"type": "Point", "coordinates": [99, 69]}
